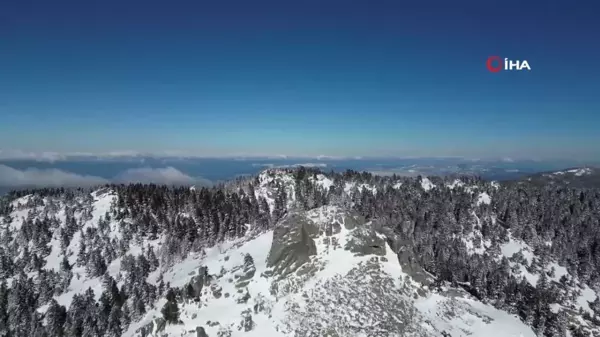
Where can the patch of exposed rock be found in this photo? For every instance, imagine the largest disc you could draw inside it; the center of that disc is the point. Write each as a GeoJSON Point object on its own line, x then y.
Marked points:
{"type": "Point", "coordinates": [364, 240]}
{"type": "Point", "coordinates": [293, 243]}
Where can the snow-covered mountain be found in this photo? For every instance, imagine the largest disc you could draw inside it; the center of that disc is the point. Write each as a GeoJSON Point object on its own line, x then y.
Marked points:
{"type": "Point", "coordinates": [287, 253]}
{"type": "Point", "coordinates": [322, 272]}
{"type": "Point", "coordinates": [584, 177]}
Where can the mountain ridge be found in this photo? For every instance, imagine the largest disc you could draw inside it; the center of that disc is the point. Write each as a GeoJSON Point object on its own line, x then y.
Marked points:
{"type": "Point", "coordinates": [582, 177]}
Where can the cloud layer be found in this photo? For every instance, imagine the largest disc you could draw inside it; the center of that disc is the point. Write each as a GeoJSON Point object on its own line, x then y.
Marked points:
{"type": "Point", "coordinates": [168, 175]}
{"type": "Point", "coordinates": [47, 177]}
{"type": "Point", "coordinates": [270, 165]}
{"type": "Point", "coordinates": [33, 177]}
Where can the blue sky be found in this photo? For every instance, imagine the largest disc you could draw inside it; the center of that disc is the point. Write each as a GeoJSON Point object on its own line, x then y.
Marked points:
{"type": "Point", "coordinates": [343, 78]}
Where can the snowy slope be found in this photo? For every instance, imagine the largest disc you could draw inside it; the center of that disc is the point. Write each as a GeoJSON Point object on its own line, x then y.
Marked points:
{"type": "Point", "coordinates": [514, 247]}
{"type": "Point", "coordinates": [343, 289]}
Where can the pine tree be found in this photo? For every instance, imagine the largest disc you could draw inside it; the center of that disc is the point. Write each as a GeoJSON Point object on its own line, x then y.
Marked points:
{"type": "Point", "coordinates": [4, 297]}
{"type": "Point", "coordinates": [115, 325]}
{"type": "Point", "coordinates": [56, 315]}
{"type": "Point", "coordinates": [152, 259]}
{"type": "Point", "coordinates": [82, 254]}
{"type": "Point", "coordinates": [125, 317]}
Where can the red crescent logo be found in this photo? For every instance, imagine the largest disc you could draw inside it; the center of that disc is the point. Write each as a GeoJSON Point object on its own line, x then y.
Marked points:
{"type": "Point", "coordinates": [491, 67]}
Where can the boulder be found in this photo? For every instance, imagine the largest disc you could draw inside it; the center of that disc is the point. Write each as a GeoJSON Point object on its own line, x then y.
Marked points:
{"type": "Point", "coordinates": [199, 281]}
{"type": "Point", "coordinates": [200, 332]}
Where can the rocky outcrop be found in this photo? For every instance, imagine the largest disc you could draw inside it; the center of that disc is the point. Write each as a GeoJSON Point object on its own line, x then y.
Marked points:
{"type": "Point", "coordinates": [200, 332]}
{"type": "Point", "coordinates": [248, 271]}
{"type": "Point", "coordinates": [247, 324]}
{"type": "Point", "coordinates": [406, 256]}
{"type": "Point", "coordinates": [199, 281]}
{"type": "Point", "coordinates": [293, 243]}
{"type": "Point", "coordinates": [364, 240]}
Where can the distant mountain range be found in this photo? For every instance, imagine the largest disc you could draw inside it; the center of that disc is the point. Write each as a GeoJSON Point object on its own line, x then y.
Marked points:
{"type": "Point", "coordinates": [91, 171]}
{"type": "Point", "coordinates": [581, 177]}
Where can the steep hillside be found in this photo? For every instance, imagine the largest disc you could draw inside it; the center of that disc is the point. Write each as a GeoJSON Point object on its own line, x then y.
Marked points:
{"type": "Point", "coordinates": [302, 253]}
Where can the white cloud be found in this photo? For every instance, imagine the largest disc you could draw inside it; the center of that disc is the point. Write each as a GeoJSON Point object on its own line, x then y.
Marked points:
{"type": "Point", "coordinates": [270, 165]}
{"type": "Point", "coordinates": [11, 177]}
{"type": "Point", "coordinates": [168, 175]}
{"type": "Point", "coordinates": [24, 155]}
{"type": "Point", "coordinates": [33, 177]}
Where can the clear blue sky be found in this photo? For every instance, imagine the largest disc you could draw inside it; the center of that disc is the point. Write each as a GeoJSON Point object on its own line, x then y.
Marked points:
{"type": "Point", "coordinates": [300, 77]}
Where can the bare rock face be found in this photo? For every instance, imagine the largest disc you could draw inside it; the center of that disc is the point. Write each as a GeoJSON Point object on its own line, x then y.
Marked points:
{"type": "Point", "coordinates": [293, 244]}
{"type": "Point", "coordinates": [364, 240]}
{"type": "Point", "coordinates": [406, 257]}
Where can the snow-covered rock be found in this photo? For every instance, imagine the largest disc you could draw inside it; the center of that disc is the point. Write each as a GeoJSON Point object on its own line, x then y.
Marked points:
{"type": "Point", "coordinates": [321, 272]}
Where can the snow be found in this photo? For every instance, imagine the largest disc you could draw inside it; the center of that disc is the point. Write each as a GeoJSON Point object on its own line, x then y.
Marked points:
{"type": "Point", "coordinates": [351, 185]}
{"type": "Point", "coordinates": [225, 260]}
{"type": "Point", "coordinates": [462, 317]}
{"type": "Point", "coordinates": [515, 246]}
{"type": "Point", "coordinates": [426, 184]}
{"type": "Point", "coordinates": [102, 201]}
{"type": "Point", "coordinates": [472, 318]}
{"type": "Point", "coordinates": [267, 186]}
{"type": "Point", "coordinates": [101, 205]}
{"type": "Point", "coordinates": [587, 295]}
{"type": "Point", "coordinates": [53, 260]}
{"type": "Point", "coordinates": [559, 271]}
{"type": "Point", "coordinates": [577, 172]}
{"type": "Point", "coordinates": [580, 172]}
{"type": "Point", "coordinates": [474, 236]}
{"type": "Point", "coordinates": [348, 187]}
{"type": "Point", "coordinates": [226, 257]}
{"type": "Point", "coordinates": [18, 217]}
{"type": "Point", "coordinates": [456, 315]}
{"type": "Point", "coordinates": [455, 183]}
{"type": "Point", "coordinates": [555, 307]}
{"type": "Point", "coordinates": [21, 201]}
{"type": "Point", "coordinates": [397, 185]}
{"type": "Point", "coordinates": [484, 198]}
{"type": "Point", "coordinates": [335, 261]}
{"type": "Point", "coordinates": [323, 181]}
{"type": "Point", "coordinates": [471, 249]}
{"type": "Point", "coordinates": [367, 187]}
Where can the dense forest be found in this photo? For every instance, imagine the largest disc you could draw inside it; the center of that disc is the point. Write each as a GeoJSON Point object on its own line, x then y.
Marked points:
{"type": "Point", "coordinates": [560, 223]}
